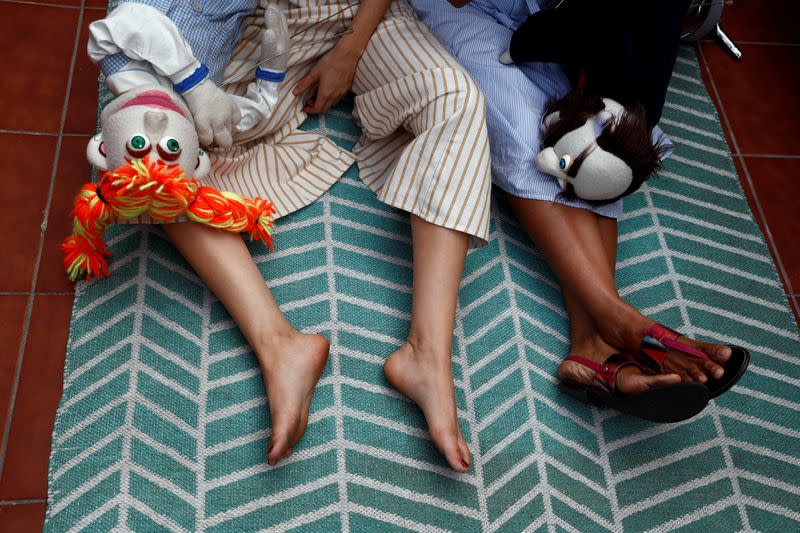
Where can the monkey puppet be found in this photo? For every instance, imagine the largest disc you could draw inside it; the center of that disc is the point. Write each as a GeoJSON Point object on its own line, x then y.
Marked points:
{"type": "Point", "coordinates": [601, 141]}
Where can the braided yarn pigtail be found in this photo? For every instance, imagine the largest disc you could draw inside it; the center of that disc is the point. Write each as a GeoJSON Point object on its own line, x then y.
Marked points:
{"type": "Point", "coordinates": [229, 211]}
{"type": "Point", "coordinates": [162, 192]}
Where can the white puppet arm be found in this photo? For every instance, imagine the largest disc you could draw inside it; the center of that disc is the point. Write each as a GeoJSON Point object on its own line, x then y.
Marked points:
{"type": "Point", "coordinates": [149, 38]}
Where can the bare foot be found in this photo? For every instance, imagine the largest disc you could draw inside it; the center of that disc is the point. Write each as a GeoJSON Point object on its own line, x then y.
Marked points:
{"type": "Point", "coordinates": [427, 381]}
{"type": "Point", "coordinates": [292, 366]}
{"type": "Point", "coordinates": [624, 328]}
{"type": "Point", "coordinates": [630, 379]}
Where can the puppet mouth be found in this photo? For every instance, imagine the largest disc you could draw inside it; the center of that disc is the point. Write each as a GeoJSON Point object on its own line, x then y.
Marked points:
{"type": "Point", "coordinates": [154, 99]}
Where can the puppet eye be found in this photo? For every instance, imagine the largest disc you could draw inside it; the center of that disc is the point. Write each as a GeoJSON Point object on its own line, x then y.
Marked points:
{"type": "Point", "coordinates": [169, 149]}
{"type": "Point", "coordinates": [564, 162]}
{"type": "Point", "coordinates": [138, 145]}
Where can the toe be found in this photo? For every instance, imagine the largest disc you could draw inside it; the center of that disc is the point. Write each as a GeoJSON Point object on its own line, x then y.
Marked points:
{"type": "Point", "coordinates": [713, 369]}
{"type": "Point", "coordinates": [278, 449]}
{"type": "Point", "coordinates": [452, 452]}
{"type": "Point", "coordinates": [466, 459]}
{"type": "Point", "coordinates": [661, 380]}
{"type": "Point", "coordinates": [698, 375]}
{"type": "Point", "coordinates": [281, 443]}
{"type": "Point", "coordinates": [720, 353]}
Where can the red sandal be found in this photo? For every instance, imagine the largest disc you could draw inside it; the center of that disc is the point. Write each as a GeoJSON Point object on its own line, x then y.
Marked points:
{"type": "Point", "coordinates": [660, 339]}
{"type": "Point", "coordinates": [672, 403]}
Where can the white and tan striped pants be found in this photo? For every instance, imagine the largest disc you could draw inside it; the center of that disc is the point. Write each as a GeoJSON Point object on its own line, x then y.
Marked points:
{"type": "Point", "coordinates": [424, 147]}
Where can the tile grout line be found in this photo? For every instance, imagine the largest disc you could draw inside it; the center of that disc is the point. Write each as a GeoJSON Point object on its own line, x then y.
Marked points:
{"type": "Point", "coordinates": [22, 502]}
{"type": "Point", "coordinates": [35, 278]}
{"type": "Point", "coordinates": [36, 293]}
{"type": "Point", "coordinates": [775, 253]}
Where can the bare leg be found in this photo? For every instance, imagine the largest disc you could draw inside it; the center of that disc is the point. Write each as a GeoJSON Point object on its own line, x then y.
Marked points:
{"type": "Point", "coordinates": [291, 361]}
{"type": "Point", "coordinates": [421, 368]}
{"type": "Point", "coordinates": [581, 248]}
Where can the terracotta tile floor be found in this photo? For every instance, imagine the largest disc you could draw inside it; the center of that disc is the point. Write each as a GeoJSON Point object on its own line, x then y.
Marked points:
{"type": "Point", "coordinates": [44, 44]}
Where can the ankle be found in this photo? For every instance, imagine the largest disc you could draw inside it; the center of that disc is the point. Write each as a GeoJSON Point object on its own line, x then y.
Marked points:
{"type": "Point", "coordinates": [432, 356]}
{"type": "Point", "coordinates": [591, 347]}
{"type": "Point", "coordinates": [271, 340]}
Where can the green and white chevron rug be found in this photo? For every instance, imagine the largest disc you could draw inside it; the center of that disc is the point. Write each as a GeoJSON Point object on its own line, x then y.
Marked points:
{"type": "Point", "coordinates": [163, 424]}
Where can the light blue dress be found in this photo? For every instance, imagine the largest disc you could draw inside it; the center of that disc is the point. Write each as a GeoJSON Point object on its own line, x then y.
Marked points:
{"type": "Point", "coordinates": [516, 95]}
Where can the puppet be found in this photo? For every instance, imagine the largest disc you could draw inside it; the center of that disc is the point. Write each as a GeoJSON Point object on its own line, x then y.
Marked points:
{"type": "Point", "coordinates": [147, 139]}
{"type": "Point", "coordinates": [168, 104]}
{"type": "Point", "coordinates": [597, 149]}
{"type": "Point", "coordinates": [601, 141]}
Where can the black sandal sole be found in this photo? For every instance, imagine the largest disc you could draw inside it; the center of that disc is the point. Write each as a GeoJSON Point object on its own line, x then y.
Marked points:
{"type": "Point", "coordinates": [674, 403]}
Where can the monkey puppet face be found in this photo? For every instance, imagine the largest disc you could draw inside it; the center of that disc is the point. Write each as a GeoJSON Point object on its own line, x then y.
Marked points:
{"type": "Point", "coordinates": [575, 159]}
{"type": "Point", "coordinates": [148, 121]}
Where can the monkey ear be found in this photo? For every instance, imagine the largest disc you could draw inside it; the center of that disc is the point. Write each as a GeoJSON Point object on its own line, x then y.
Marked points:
{"type": "Point", "coordinates": [552, 117]}
{"type": "Point", "coordinates": [203, 165]}
{"type": "Point", "coordinates": [96, 152]}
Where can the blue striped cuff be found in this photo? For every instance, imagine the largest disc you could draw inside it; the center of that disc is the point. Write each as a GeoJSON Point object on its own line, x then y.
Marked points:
{"type": "Point", "coordinates": [269, 75]}
{"type": "Point", "coordinates": [192, 81]}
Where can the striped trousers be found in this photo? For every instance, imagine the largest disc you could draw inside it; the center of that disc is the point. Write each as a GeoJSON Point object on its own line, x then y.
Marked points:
{"type": "Point", "coordinates": [424, 147]}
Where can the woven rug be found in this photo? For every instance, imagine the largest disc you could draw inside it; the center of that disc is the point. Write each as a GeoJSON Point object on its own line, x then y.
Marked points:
{"type": "Point", "coordinates": [163, 424]}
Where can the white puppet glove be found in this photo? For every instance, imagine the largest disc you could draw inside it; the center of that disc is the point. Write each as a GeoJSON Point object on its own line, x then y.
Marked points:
{"type": "Point", "coordinates": [275, 40]}
{"type": "Point", "coordinates": [215, 114]}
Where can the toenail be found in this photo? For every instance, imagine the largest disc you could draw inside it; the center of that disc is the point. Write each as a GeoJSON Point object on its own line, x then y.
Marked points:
{"type": "Point", "coordinates": [465, 464]}
{"type": "Point", "coordinates": [269, 450]}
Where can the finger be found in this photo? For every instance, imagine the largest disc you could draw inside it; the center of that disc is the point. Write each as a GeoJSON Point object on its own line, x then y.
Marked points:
{"type": "Point", "coordinates": [204, 133]}
{"type": "Point", "coordinates": [328, 103]}
{"type": "Point", "coordinates": [224, 139]}
{"type": "Point", "coordinates": [236, 115]}
{"type": "Point", "coordinates": [685, 377]}
{"type": "Point", "coordinates": [307, 82]}
{"type": "Point", "coordinates": [317, 106]}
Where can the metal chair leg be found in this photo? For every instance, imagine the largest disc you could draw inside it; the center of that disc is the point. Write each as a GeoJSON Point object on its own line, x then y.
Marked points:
{"type": "Point", "coordinates": [727, 43]}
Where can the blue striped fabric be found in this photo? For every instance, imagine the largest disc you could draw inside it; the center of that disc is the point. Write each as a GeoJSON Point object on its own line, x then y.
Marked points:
{"type": "Point", "coordinates": [211, 27]}
{"type": "Point", "coordinates": [516, 95]}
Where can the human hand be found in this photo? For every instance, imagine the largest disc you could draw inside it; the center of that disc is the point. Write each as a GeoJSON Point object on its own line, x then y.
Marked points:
{"type": "Point", "coordinates": [332, 76]}
{"type": "Point", "coordinates": [215, 114]}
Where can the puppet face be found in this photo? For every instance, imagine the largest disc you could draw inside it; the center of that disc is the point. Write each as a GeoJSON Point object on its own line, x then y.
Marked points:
{"type": "Point", "coordinates": [575, 159]}
{"type": "Point", "coordinates": [148, 121]}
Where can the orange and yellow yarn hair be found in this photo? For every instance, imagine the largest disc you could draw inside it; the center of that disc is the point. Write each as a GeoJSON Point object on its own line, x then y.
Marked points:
{"type": "Point", "coordinates": [142, 187]}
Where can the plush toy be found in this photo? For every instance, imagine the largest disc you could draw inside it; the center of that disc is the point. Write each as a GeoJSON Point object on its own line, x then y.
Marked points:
{"type": "Point", "coordinates": [601, 142]}
{"type": "Point", "coordinates": [597, 149]}
{"type": "Point", "coordinates": [185, 50]}
{"type": "Point", "coordinates": [148, 150]}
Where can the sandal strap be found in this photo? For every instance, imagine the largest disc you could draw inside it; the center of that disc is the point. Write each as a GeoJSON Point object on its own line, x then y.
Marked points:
{"type": "Point", "coordinates": [605, 372]}
{"type": "Point", "coordinates": [668, 337]}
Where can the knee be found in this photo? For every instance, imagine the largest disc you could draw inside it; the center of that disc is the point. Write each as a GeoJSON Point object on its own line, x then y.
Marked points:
{"type": "Point", "coordinates": [470, 98]}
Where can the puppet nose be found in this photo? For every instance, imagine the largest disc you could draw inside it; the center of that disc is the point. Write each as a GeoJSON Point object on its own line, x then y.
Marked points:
{"type": "Point", "coordinates": [547, 162]}
{"type": "Point", "coordinates": [155, 122]}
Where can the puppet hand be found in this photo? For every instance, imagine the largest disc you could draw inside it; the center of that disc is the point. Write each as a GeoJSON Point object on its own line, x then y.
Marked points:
{"type": "Point", "coordinates": [275, 41]}
{"type": "Point", "coordinates": [215, 114]}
